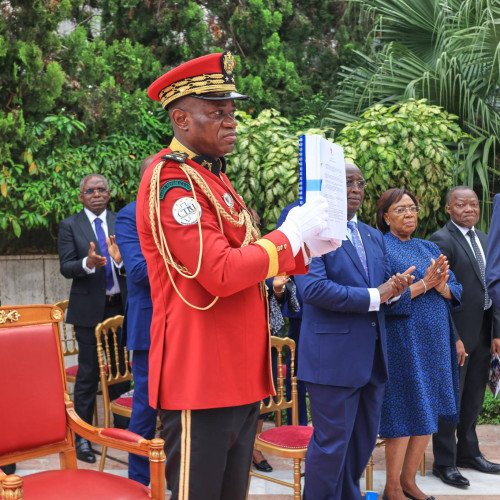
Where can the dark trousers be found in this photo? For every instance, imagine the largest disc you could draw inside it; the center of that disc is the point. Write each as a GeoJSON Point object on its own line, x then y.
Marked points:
{"type": "Point", "coordinates": [346, 422]}
{"type": "Point", "coordinates": [209, 452]}
{"type": "Point", "coordinates": [143, 419]}
{"type": "Point", "coordinates": [87, 377]}
{"type": "Point", "coordinates": [452, 441]}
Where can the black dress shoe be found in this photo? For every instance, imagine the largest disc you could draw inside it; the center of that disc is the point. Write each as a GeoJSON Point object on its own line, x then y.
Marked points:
{"type": "Point", "coordinates": [263, 466]}
{"type": "Point", "coordinates": [411, 497]}
{"type": "Point", "coordinates": [83, 451]}
{"type": "Point", "coordinates": [8, 469]}
{"type": "Point", "coordinates": [479, 463]}
{"type": "Point", "coordinates": [450, 475]}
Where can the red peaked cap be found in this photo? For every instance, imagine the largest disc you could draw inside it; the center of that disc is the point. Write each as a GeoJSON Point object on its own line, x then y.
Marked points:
{"type": "Point", "coordinates": [208, 77]}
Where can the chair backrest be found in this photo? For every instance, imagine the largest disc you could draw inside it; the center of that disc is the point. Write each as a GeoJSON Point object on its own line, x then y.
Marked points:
{"type": "Point", "coordinates": [68, 337]}
{"type": "Point", "coordinates": [33, 383]}
{"type": "Point", "coordinates": [284, 348]}
{"type": "Point", "coordinates": [114, 365]}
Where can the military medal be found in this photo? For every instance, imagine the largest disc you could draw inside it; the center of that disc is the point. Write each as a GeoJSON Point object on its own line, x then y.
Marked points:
{"type": "Point", "coordinates": [229, 200]}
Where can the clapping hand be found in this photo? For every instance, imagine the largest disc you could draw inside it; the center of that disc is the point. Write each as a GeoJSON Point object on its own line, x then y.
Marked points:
{"type": "Point", "coordinates": [279, 283]}
{"type": "Point", "coordinates": [437, 274]}
{"type": "Point", "coordinates": [93, 259]}
{"type": "Point", "coordinates": [401, 282]}
{"type": "Point", "coordinates": [396, 285]}
{"type": "Point", "coordinates": [113, 250]}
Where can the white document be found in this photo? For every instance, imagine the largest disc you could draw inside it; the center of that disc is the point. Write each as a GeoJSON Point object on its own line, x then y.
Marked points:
{"type": "Point", "coordinates": [322, 171]}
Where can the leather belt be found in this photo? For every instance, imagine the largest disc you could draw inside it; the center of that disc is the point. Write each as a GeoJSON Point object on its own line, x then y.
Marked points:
{"type": "Point", "coordinates": [113, 299]}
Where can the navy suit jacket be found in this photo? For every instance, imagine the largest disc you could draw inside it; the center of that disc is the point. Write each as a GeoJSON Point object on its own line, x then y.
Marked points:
{"type": "Point", "coordinates": [139, 308]}
{"type": "Point", "coordinates": [338, 334]}
{"type": "Point", "coordinates": [493, 255]}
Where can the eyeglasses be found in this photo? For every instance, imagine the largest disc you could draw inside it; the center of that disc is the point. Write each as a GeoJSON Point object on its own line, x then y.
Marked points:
{"type": "Point", "coordinates": [402, 210]}
{"type": "Point", "coordinates": [358, 184]}
{"type": "Point", "coordinates": [90, 192]}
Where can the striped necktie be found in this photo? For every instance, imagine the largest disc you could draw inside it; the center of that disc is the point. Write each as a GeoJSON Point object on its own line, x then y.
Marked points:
{"type": "Point", "coordinates": [480, 261]}
{"type": "Point", "coordinates": [358, 244]}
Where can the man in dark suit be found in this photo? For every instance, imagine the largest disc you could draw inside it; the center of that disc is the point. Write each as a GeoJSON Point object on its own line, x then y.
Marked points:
{"type": "Point", "coordinates": [136, 327]}
{"type": "Point", "coordinates": [343, 352]}
{"type": "Point", "coordinates": [90, 257]}
{"type": "Point", "coordinates": [475, 322]}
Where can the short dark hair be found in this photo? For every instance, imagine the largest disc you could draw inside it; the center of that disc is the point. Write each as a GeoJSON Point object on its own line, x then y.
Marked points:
{"type": "Point", "coordinates": [391, 196]}
{"type": "Point", "coordinates": [456, 188]}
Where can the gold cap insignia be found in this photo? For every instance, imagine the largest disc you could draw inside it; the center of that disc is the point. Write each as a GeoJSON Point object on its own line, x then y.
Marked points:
{"type": "Point", "coordinates": [228, 63]}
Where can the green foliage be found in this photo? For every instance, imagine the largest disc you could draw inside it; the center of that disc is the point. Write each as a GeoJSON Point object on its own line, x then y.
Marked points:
{"type": "Point", "coordinates": [445, 51]}
{"type": "Point", "coordinates": [37, 194]}
{"type": "Point", "coordinates": [30, 82]}
{"type": "Point", "coordinates": [405, 146]}
{"type": "Point", "coordinates": [490, 414]}
{"type": "Point", "coordinates": [264, 165]}
{"type": "Point", "coordinates": [74, 74]}
{"type": "Point", "coordinates": [288, 50]}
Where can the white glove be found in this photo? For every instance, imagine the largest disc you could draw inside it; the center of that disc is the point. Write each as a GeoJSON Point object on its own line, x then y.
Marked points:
{"type": "Point", "coordinates": [318, 246]}
{"type": "Point", "coordinates": [305, 222]}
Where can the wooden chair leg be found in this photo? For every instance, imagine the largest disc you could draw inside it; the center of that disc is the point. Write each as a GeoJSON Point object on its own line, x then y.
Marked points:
{"type": "Point", "coordinates": [422, 465]}
{"type": "Point", "coordinates": [103, 458]}
{"type": "Point", "coordinates": [369, 474]}
{"type": "Point", "coordinates": [296, 479]}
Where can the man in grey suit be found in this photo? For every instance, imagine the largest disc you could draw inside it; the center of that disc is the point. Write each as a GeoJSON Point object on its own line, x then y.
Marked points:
{"type": "Point", "coordinates": [89, 256]}
{"type": "Point", "coordinates": [477, 330]}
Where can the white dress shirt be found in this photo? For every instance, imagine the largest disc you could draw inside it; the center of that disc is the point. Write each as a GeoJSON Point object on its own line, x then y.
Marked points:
{"type": "Point", "coordinates": [92, 217]}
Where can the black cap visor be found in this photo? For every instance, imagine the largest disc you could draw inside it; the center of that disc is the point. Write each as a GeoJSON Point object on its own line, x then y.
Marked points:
{"type": "Point", "coordinates": [221, 96]}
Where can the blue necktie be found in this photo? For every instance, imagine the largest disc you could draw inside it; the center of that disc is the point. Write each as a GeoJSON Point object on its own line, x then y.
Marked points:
{"type": "Point", "coordinates": [101, 238]}
{"type": "Point", "coordinates": [358, 244]}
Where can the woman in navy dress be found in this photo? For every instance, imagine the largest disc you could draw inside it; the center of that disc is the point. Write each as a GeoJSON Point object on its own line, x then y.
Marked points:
{"type": "Point", "coordinates": [422, 358]}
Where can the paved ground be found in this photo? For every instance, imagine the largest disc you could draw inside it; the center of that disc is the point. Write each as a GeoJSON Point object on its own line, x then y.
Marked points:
{"type": "Point", "coordinates": [483, 486]}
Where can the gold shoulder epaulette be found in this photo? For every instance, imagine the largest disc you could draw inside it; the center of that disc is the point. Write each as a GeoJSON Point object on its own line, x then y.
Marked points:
{"type": "Point", "coordinates": [178, 156]}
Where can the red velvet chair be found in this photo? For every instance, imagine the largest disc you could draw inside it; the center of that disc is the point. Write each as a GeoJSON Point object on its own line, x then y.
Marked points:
{"type": "Point", "coordinates": [70, 348]}
{"type": "Point", "coordinates": [37, 418]}
{"type": "Point", "coordinates": [288, 441]}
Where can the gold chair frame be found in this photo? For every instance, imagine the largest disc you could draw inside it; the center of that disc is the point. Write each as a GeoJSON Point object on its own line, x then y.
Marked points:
{"type": "Point", "coordinates": [109, 370]}
{"type": "Point", "coordinates": [277, 404]}
{"type": "Point", "coordinates": [11, 487]}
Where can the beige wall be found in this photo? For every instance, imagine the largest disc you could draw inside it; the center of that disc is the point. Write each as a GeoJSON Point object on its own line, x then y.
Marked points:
{"type": "Point", "coordinates": [31, 279]}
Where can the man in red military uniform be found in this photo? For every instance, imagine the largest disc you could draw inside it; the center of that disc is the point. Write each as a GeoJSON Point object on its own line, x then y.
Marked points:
{"type": "Point", "coordinates": [209, 356]}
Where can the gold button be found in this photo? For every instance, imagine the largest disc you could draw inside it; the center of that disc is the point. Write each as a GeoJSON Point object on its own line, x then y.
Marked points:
{"type": "Point", "coordinates": [284, 246]}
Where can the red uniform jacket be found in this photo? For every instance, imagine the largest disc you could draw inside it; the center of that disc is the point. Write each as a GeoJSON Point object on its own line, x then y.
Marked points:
{"type": "Point", "coordinates": [218, 357]}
